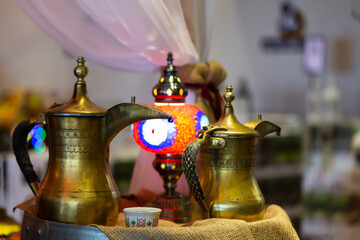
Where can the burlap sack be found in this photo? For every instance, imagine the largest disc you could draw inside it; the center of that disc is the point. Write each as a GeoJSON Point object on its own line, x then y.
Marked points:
{"type": "Point", "coordinates": [275, 225]}
{"type": "Point", "coordinates": [204, 79]}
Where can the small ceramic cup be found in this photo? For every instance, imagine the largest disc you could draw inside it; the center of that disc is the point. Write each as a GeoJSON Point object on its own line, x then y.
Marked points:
{"type": "Point", "coordinates": [142, 216]}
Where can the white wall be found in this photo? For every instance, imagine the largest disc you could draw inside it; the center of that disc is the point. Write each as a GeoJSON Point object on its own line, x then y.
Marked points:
{"type": "Point", "coordinates": [277, 79]}
{"type": "Point", "coordinates": [31, 59]}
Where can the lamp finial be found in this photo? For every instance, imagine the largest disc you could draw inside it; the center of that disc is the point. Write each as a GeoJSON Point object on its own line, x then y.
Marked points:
{"type": "Point", "coordinates": [170, 88]}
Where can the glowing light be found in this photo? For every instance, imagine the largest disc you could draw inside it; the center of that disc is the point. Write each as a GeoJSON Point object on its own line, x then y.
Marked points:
{"type": "Point", "coordinates": [37, 137]}
{"type": "Point", "coordinates": [155, 131]}
{"type": "Point", "coordinates": [164, 137]}
{"type": "Point", "coordinates": [201, 120]}
{"type": "Point", "coordinates": [168, 104]}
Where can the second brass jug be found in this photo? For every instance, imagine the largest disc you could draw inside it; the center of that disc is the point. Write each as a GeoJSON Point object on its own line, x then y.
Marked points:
{"type": "Point", "coordinates": [226, 186]}
{"type": "Point", "coordinates": [78, 187]}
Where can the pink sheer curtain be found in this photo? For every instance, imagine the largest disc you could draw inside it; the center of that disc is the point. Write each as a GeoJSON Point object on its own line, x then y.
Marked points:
{"type": "Point", "coordinates": [132, 35]}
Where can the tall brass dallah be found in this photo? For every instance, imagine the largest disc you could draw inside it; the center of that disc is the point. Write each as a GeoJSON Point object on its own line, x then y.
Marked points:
{"type": "Point", "coordinates": [78, 187]}
{"type": "Point", "coordinates": [227, 187]}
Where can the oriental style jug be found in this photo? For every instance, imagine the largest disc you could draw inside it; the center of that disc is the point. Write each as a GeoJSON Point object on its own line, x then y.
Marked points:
{"type": "Point", "coordinates": [78, 187]}
{"type": "Point", "coordinates": [223, 181]}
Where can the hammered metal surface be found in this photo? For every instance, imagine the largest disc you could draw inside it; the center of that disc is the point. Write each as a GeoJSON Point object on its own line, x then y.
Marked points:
{"type": "Point", "coordinates": [226, 167]}
{"type": "Point", "coordinates": [78, 187]}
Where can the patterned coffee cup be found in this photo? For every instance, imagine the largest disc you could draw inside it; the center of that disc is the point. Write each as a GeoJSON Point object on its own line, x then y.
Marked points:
{"type": "Point", "coordinates": [142, 216]}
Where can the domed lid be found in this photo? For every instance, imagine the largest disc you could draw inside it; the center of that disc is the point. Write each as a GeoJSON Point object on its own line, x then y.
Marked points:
{"type": "Point", "coordinates": [229, 120]}
{"type": "Point", "coordinates": [80, 104]}
{"type": "Point", "coordinates": [170, 88]}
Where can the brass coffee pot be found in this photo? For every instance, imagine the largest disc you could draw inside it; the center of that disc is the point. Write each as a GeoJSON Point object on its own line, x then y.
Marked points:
{"type": "Point", "coordinates": [78, 187]}
{"type": "Point", "coordinates": [226, 186]}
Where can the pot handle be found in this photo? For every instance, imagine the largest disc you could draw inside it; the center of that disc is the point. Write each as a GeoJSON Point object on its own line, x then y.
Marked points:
{"type": "Point", "coordinates": [189, 162]}
{"type": "Point", "coordinates": [20, 149]}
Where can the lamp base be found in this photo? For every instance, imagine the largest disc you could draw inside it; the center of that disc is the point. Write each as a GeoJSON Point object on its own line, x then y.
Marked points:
{"type": "Point", "coordinates": [175, 208]}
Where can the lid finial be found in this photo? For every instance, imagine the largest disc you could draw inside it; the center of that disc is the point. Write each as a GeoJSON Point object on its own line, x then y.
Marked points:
{"type": "Point", "coordinates": [229, 95]}
{"type": "Point", "coordinates": [79, 104]}
{"type": "Point", "coordinates": [170, 88]}
{"type": "Point", "coordinates": [228, 119]}
{"type": "Point", "coordinates": [170, 68]}
{"type": "Point", "coordinates": [80, 71]}
{"type": "Point", "coordinates": [170, 58]}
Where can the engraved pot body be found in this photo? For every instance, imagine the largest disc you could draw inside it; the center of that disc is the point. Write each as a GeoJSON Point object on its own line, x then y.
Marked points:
{"type": "Point", "coordinates": [227, 178]}
{"type": "Point", "coordinates": [78, 187]}
{"type": "Point", "coordinates": [222, 180]}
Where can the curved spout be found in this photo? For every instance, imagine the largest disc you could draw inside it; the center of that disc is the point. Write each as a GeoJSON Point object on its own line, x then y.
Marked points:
{"type": "Point", "coordinates": [124, 114]}
{"type": "Point", "coordinates": [263, 127]}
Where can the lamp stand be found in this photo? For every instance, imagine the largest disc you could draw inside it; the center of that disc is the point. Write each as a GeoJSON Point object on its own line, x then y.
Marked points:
{"type": "Point", "coordinates": [175, 207]}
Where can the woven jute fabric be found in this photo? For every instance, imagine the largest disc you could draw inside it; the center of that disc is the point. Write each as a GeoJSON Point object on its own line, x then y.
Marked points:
{"type": "Point", "coordinates": [275, 225]}
{"type": "Point", "coordinates": [203, 79]}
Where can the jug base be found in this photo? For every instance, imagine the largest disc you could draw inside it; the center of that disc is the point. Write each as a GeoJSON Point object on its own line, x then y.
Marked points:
{"type": "Point", "coordinates": [245, 217]}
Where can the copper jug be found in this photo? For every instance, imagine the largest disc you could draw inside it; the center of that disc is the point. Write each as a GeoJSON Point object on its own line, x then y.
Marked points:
{"type": "Point", "coordinates": [223, 181]}
{"type": "Point", "coordinates": [78, 187]}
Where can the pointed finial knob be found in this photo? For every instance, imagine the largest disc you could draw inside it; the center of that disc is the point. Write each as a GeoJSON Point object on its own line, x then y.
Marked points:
{"type": "Point", "coordinates": [229, 95]}
{"type": "Point", "coordinates": [170, 88]}
{"type": "Point", "coordinates": [170, 68]}
{"type": "Point", "coordinates": [81, 70]}
{"type": "Point", "coordinates": [170, 58]}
